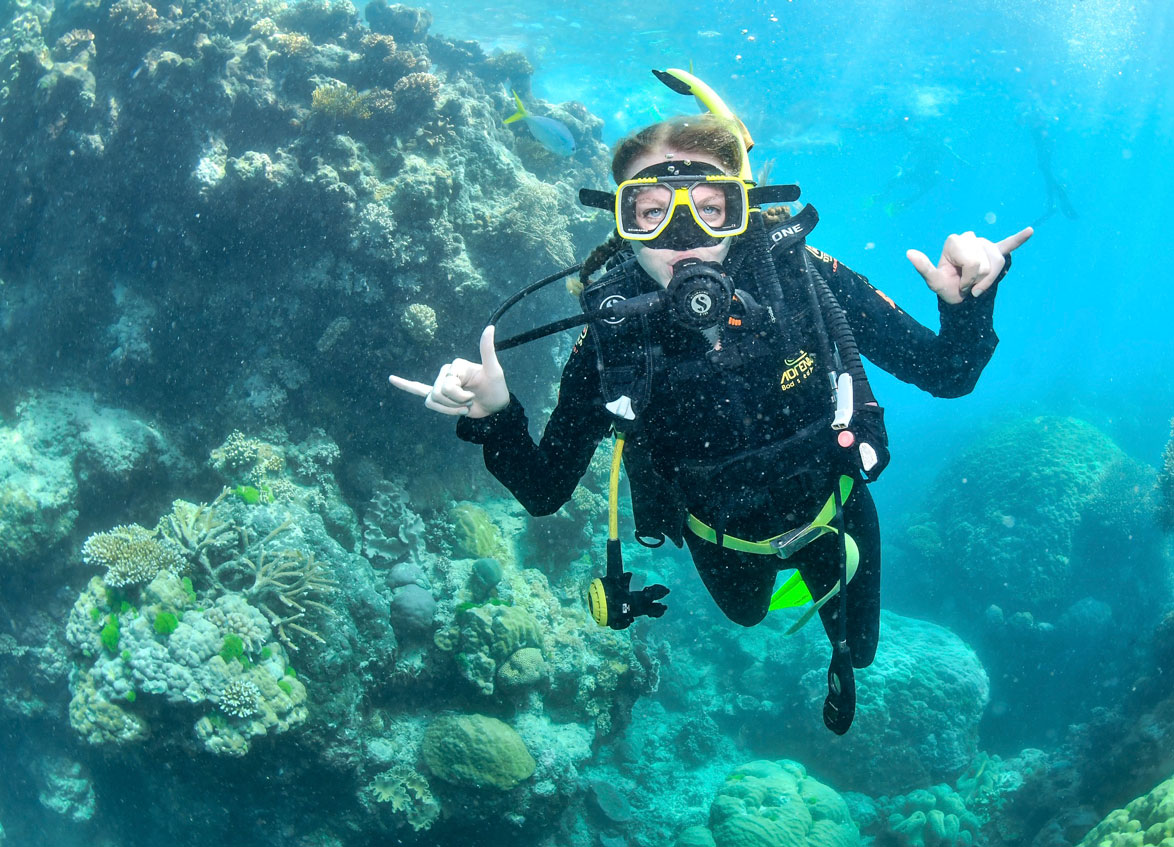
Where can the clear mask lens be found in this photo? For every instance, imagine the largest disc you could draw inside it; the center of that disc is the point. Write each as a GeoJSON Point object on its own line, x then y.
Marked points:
{"type": "Point", "coordinates": [644, 207]}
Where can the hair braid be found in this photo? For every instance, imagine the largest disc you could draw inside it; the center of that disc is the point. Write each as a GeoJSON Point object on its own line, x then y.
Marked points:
{"type": "Point", "coordinates": [596, 260]}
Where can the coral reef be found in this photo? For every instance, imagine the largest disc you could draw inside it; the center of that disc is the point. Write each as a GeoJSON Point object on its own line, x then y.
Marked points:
{"type": "Point", "coordinates": [774, 804]}
{"type": "Point", "coordinates": [918, 711]}
{"type": "Point", "coordinates": [376, 145]}
{"type": "Point", "coordinates": [133, 555]}
{"type": "Point", "coordinates": [66, 789]}
{"type": "Point", "coordinates": [934, 817]}
{"type": "Point", "coordinates": [1036, 545]}
{"type": "Point", "coordinates": [1147, 820]}
{"type": "Point", "coordinates": [60, 450]}
{"type": "Point", "coordinates": [477, 751]}
{"type": "Point", "coordinates": [1025, 529]}
{"type": "Point", "coordinates": [407, 793]}
{"type": "Point", "coordinates": [246, 691]}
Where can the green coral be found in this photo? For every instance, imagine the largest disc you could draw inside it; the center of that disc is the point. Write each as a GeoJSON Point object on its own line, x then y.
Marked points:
{"type": "Point", "coordinates": [166, 623]}
{"type": "Point", "coordinates": [476, 535]}
{"type": "Point", "coordinates": [1148, 820]}
{"type": "Point", "coordinates": [110, 634]}
{"type": "Point", "coordinates": [489, 635]}
{"type": "Point", "coordinates": [233, 648]}
{"type": "Point", "coordinates": [476, 751]}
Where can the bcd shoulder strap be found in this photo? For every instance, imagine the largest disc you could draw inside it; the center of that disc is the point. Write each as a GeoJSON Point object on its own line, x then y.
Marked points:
{"type": "Point", "coordinates": [624, 347]}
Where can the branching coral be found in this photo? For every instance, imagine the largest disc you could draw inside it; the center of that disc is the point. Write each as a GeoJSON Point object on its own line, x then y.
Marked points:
{"type": "Point", "coordinates": [286, 577]}
{"type": "Point", "coordinates": [240, 698]}
{"type": "Point", "coordinates": [197, 529]}
{"type": "Point", "coordinates": [132, 555]}
{"type": "Point", "coordinates": [239, 453]}
{"type": "Point", "coordinates": [338, 102]}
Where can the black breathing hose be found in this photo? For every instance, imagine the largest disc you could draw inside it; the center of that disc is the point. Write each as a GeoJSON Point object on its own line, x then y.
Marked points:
{"type": "Point", "coordinates": [528, 290]}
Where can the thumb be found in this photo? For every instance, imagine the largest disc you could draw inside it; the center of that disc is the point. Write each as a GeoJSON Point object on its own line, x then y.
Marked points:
{"type": "Point", "coordinates": [921, 262]}
{"type": "Point", "coordinates": [488, 351]}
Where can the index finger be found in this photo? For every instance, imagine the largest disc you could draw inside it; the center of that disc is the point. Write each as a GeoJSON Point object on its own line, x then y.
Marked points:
{"type": "Point", "coordinates": [410, 386]}
{"type": "Point", "coordinates": [1013, 241]}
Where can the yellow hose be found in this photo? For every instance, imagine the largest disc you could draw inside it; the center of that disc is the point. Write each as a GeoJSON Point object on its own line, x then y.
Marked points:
{"type": "Point", "coordinates": [613, 491]}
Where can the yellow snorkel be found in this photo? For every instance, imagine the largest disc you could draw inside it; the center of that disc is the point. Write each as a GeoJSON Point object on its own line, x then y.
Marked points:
{"type": "Point", "coordinates": [684, 82]}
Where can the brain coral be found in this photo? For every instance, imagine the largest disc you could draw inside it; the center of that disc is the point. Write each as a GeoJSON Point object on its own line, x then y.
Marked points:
{"type": "Point", "coordinates": [477, 751]}
{"type": "Point", "coordinates": [774, 804]}
{"type": "Point", "coordinates": [1022, 520]}
{"type": "Point", "coordinates": [1147, 820]}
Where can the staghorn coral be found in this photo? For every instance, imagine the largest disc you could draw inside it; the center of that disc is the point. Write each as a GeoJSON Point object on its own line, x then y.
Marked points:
{"type": "Point", "coordinates": [133, 555]}
{"type": "Point", "coordinates": [286, 578]}
{"type": "Point", "coordinates": [197, 529]}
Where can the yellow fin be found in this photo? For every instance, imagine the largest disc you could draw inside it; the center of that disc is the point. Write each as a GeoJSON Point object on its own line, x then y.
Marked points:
{"type": "Point", "coordinates": [521, 113]}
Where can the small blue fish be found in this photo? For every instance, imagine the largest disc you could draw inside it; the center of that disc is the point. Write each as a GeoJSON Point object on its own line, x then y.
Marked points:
{"type": "Point", "coordinates": [550, 133]}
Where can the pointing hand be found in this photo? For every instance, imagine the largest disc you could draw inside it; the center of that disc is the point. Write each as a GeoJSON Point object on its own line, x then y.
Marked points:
{"type": "Point", "coordinates": [969, 265]}
{"type": "Point", "coordinates": [463, 387]}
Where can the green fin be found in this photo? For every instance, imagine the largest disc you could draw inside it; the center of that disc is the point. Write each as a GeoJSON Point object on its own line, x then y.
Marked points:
{"type": "Point", "coordinates": [521, 113]}
{"type": "Point", "coordinates": [794, 592]}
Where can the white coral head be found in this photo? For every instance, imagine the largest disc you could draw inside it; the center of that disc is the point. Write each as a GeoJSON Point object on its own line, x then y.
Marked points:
{"type": "Point", "coordinates": [240, 698]}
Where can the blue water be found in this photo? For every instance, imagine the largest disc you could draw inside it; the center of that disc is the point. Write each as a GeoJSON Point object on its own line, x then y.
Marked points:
{"type": "Point", "coordinates": [192, 244]}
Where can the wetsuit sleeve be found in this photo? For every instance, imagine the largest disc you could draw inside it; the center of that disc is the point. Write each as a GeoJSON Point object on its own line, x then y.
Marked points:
{"type": "Point", "coordinates": [946, 364]}
{"type": "Point", "coordinates": [543, 476]}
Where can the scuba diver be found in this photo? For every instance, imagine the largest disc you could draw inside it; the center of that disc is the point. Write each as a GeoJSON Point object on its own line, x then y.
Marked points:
{"type": "Point", "coordinates": [725, 355]}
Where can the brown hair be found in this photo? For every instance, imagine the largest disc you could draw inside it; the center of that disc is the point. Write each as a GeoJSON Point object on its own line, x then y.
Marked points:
{"type": "Point", "coordinates": [705, 133]}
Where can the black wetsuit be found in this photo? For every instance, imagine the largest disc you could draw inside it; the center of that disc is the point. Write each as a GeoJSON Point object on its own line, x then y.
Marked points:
{"type": "Point", "coordinates": [697, 419]}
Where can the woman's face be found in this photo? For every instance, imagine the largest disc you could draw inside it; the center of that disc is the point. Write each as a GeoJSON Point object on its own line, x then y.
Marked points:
{"type": "Point", "coordinates": [657, 262]}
